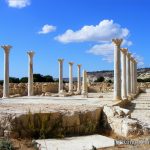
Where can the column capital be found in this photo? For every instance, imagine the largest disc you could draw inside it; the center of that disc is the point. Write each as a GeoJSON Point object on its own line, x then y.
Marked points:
{"type": "Point", "coordinates": [132, 59]}
{"type": "Point", "coordinates": [129, 55]}
{"type": "Point", "coordinates": [60, 60]}
{"type": "Point", "coordinates": [31, 53]}
{"type": "Point", "coordinates": [117, 42]}
{"type": "Point", "coordinates": [79, 65]}
{"type": "Point", "coordinates": [6, 48]}
{"type": "Point", "coordinates": [124, 50]}
{"type": "Point", "coordinates": [71, 63]}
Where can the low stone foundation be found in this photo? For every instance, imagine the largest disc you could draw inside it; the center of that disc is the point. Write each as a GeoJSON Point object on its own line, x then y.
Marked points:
{"type": "Point", "coordinates": [54, 124]}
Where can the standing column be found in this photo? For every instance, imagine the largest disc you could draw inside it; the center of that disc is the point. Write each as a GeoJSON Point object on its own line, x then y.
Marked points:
{"type": "Point", "coordinates": [6, 71]}
{"type": "Point", "coordinates": [128, 75]}
{"type": "Point", "coordinates": [124, 85]}
{"type": "Point", "coordinates": [79, 79]}
{"type": "Point", "coordinates": [132, 76]}
{"type": "Point", "coordinates": [30, 73]}
{"type": "Point", "coordinates": [70, 78]}
{"type": "Point", "coordinates": [84, 84]}
{"type": "Point", "coordinates": [135, 67]}
{"type": "Point", "coordinates": [117, 69]}
{"type": "Point", "coordinates": [60, 61]}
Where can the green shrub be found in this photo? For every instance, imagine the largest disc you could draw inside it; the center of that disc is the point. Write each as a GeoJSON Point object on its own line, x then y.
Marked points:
{"type": "Point", "coordinates": [6, 144]}
{"type": "Point", "coordinates": [100, 79]}
{"type": "Point", "coordinates": [38, 126]}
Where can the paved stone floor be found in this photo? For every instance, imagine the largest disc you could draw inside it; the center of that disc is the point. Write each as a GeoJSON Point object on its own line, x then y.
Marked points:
{"type": "Point", "coordinates": [52, 104]}
{"type": "Point", "coordinates": [76, 143]}
{"type": "Point", "coordinates": [140, 108]}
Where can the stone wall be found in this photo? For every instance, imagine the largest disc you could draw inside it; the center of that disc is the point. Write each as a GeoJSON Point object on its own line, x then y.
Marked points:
{"type": "Point", "coordinates": [53, 124]}
{"type": "Point", "coordinates": [39, 88]}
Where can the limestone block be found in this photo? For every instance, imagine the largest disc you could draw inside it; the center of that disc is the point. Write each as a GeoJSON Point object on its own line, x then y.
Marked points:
{"type": "Point", "coordinates": [129, 127]}
{"type": "Point", "coordinates": [48, 94]}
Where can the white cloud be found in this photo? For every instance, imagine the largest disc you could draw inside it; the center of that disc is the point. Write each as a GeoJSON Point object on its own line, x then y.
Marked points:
{"type": "Point", "coordinates": [101, 34]}
{"type": "Point", "coordinates": [18, 3]}
{"type": "Point", "coordinates": [47, 29]}
{"type": "Point", "coordinates": [139, 59]}
{"type": "Point", "coordinates": [104, 31]}
{"type": "Point", "coordinates": [105, 50]}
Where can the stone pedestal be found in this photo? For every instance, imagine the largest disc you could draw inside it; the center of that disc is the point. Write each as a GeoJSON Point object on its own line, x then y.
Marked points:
{"type": "Point", "coordinates": [128, 75]}
{"type": "Point", "coordinates": [70, 78]}
{"type": "Point", "coordinates": [79, 79]}
{"type": "Point", "coordinates": [60, 88]}
{"type": "Point", "coordinates": [6, 71]}
{"type": "Point", "coordinates": [30, 73]}
{"type": "Point", "coordinates": [117, 69]}
{"type": "Point", "coordinates": [84, 84]}
{"type": "Point", "coordinates": [123, 75]}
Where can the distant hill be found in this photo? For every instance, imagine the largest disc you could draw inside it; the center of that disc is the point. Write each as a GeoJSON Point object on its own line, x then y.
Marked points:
{"type": "Point", "coordinates": [143, 73]}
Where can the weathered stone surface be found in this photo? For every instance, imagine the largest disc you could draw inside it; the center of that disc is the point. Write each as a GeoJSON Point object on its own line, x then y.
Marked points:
{"type": "Point", "coordinates": [119, 121]}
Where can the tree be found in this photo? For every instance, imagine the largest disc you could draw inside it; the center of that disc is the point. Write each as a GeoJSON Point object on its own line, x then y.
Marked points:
{"type": "Point", "coordinates": [100, 79]}
{"type": "Point", "coordinates": [24, 80]}
{"type": "Point", "coordinates": [38, 78]}
{"type": "Point", "coordinates": [14, 80]}
{"type": "Point", "coordinates": [48, 78]}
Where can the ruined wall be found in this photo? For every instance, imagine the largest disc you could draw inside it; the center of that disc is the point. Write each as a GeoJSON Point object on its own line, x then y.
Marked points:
{"type": "Point", "coordinates": [100, 87]}
{"type": "Point", "coordinates": [39, 88]}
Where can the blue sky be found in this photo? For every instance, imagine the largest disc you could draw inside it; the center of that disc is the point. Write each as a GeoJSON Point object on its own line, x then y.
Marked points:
{"type": "Point", "coordinates": [76, 30]}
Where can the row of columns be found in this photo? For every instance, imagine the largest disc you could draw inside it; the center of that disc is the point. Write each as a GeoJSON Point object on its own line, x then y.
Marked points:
{"type": "Point", "coordinates": [125, 72]}
{"type": "Point", "coordinates": [84, 84]}
{"type": "Point", "coordinates": [30, 75]}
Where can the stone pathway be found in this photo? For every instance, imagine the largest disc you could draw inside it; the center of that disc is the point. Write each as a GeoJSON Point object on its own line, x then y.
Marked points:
{"type": "Point", "coordinates": [140, 108]}
{"type": "Point", "coordinates": [19, 105]}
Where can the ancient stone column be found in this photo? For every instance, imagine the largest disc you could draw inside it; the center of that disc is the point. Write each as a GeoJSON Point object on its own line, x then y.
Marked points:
{"type": "Point", "coordinates": [79, 79]}
{"type": "Point", "coordinates": [70, 78]}
{"type": "Point", "coordinates": [117, 69]}
{"type": "Point", "coordinates": [135, 67]}
{"type": "Point", "coordinates": [60, 61]}
{"type": "Point", "coordinates": [6, 71]}
{"type": "Point", "coordinates": [132, 75]}
{"type": "Point", "coordinates": [123, 73]}
{"type": "Point", "coordinates": [30, 73]}
{"type": "Point", "coordinates": [128, 75]}
{"type": "Point", "coordinates": [84, 84]}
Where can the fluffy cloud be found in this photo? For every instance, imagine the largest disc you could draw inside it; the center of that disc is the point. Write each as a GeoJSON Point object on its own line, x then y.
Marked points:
{"type": "Point", "coordinates": [105, 50]}
{"type": "Point", "coordinates": [18, 3]}
{"type": "Point", "coordinates": [101, 34]}
{"type": "Point", "coordinates": [47, 29]}
{"type": "Point", "coordinates": [104, 31]}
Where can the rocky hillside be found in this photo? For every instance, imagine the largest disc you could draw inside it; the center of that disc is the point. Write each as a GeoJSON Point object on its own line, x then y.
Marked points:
{"type": "Point", "coordinates": [143, 73]}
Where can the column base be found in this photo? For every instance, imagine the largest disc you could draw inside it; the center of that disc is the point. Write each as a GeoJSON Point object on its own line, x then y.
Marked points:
{"type": "Point", "coordinates": [84, 94]}
{"type": "Point", "coordinates": [124, 98]}
{"type": "Point", "coordinates": [5, 97]}
{"type": "Point", "coordinates": [62, 93]}
{"type": "Point", "coordinates": [77, 93]}
{"type": "Point", "coordinates": [117, 98]}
